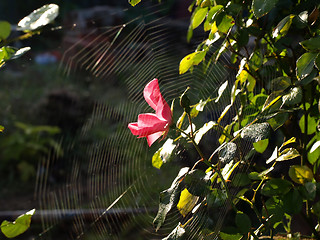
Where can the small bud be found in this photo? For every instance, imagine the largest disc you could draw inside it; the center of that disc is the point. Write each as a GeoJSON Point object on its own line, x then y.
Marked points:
{"type": "Point", "coordinates": [185, 101]}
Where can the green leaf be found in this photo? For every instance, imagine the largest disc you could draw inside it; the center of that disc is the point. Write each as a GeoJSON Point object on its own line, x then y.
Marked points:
{"type": "Point", "coordinates": [293, 97]}
{"type": "Point", "coordinates": [169, 198]}
{"type": "Point", "coordinates": [197, 182]}
{"type": "Point", "coordinates": [134, 2]}
{"type": "Point", "coordinates": [217, 198]}
{"type": "Point", "coordinates": [39, 18]}
{"type": "Point", "coordinates": [287, 154]}
{"type": "Point", "coordinates": [198, 108]}
{"type": "Point", "coordinates": [315, 209]}
{"type": "Point", "coordinates": [256, 132]}
{"type": "Point", "coordinates": [292, 202]}
{"type": "Point", "coordinates": [5, 30]}
{"type": "Point", "coordinates": [243, 222]}
{"type": "Point", "coordinates": [203, 130]}
{"type": "Point", "coordinates": [186, 202]}
{"type": "Point", "coordinates": [224, 22]}
{"type": "Point", "coordinates": [300, 174]}
{"type": "Point", "coordinates": [163, 154]}
{"type": "Point", "coordinates": [312, 124]}
{"type": "Point", "coordinates": [262, 7]}
{"type": "Point", "coordinates": [314, 153]}
{"type": "Point", "coordinates": [1, 128]}
{"type": "Point", "coordinates": [283, 26]}
{"type": "Point", "coordinates": [9, 53]}
{"type": "Point", "coordinates": [317, 61]}
{"type": "Point", "coordinates": [273, 210]}
{"type": "Point", "coordinates": [227, 153]}
{"type": "Point", "coordinates": [199, 16]}
{"type": "Point", "coordinates": [240, 180]}
{"type": "Point", "coordinates": [227, 236]}
{"type": "Point", "coordinates": [261, 145]}
{"type": "Point", "coordinates": [309, 190]}
{"type": "Point", "coordinates": [19, 226]}
{"type": "Point", "coordinates": [311, 44]}
{"type": "Point", "coordinates": [276, 187]}
{"type": "Point", "coordinates": [278, 120]}
{"type": "Point", "coordinates": [305, 64]}
{"type": "Point", "coordinates": [176, 233]}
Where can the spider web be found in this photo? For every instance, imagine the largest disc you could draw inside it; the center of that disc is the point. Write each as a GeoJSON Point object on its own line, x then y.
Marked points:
{"type": "Point", "coordinates": [110, 189]}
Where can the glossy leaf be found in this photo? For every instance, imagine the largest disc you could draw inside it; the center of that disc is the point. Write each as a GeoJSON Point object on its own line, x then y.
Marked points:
{"type": "Point", "coordinates": [17, 227]}
{"type": "Point", "coordinates": [300, 174]}
{"type": "Point", "coordinates": [203, 130]}
{"type": "Point", "coordinates": [287, 154]}
{"type": "Point", "coordinates": [275, 187]}
{"type": "Point", "coordinates": [280, 83]}
{"type": "Point", "coordinates": [169, 198]}
{"type": "Point", "coordinates": [256, 132]}
{"type": "Point", "coordinates": [283, 26]}
{"type": "Point", "coordinates": [311, 44]}
{"type": "Point", "coordinates": [186, 202]}
{"type": "Point", "coordinates": [5, 30]}
{"type": "Point", "coordinates": [199, 16]}
{"type": "Point", "coordinates": [176, 233]}
{"type": "Point", "coordinates": [293, 97]}
{"type": "Point", "coordinates": [314, 153]}
{"type": "Point", "coordinates": [221, 90]}
{"type": "Point", "coordinates": [163, 154]}
{"type": "Point", "coordinates": [191, 59]}
{"type": "Point", "coordinates": [305, 64]}
{"type": "Point", "coordinates": [262, 7]}
{"type": "Point", "coordinates": [227, 153]}
{"type": "Point", "coordinates": [39, 18]}
{"type": "Point", "coordinates": [261, 145]}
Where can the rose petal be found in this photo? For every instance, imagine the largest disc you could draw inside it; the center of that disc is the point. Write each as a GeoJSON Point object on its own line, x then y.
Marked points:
{"type": "Point", "coordinates": [152, 93]}
{"type": "Point", "coordinates": [163, 110]}
{"type": "Point", "coordinates": [153, 137]}
{"type": "Point", "coordinates": [149, 123]}
{"type": "Point", "coordinates": [134, 128]}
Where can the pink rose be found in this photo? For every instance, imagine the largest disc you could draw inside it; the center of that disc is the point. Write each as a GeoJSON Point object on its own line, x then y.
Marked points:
{"type": "Point", "coordinates": [150, 125]}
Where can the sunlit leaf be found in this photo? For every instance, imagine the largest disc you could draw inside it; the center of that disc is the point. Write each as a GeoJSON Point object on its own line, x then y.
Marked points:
{"type": "Point", "coordinates": [311, 124]}
{"type": "Point", "coordinates": [190, 60]}
{"type": "Point", "coordinates": [283, 26]}
{"type": "Point", "coordinates": [39, 18]}
{"type": "Point", "coordinates": [186, 202]}
{"type": "Point", "coordinates": [293, 97]}
{"type": "Point", "coordinates": [176, 233]}
{"type": "Point", "coordinates": [300, 174]}
{"type": "Point", "coordinates": [199, 16]}
{"type": "Point", "coordinates": [1, 128]}
{"type": "Point", "coordinates": [291, 140]}
{"type": "Point", "coordinates": [287, 154]}
{"type": "Point", "coordinates": [228, 152]}
{"type": "Point", "coordinates": [5, 30]}
{"type": "Point", "coordinates": [305, 64]}
{"type": "Point", "coordinates": [262, 7]}
{"type": "Point", "coordinates": [221, 90]}
{"type": "Point", "coordinates": [228, 169]}
{"type": "Point", "coordinates": [224, 22]}
{"type": "Point", "coordinates": [134, 2]}
{"type": "Point", "coordinates": [261, 145]}
{"type": "Point", "coordinates": [17, 227]}
{"type": "Point", "coordinates": [256, 132]}
{"type": "Point", "coordinates": [168, 199]}
{"type": "Point", "coordinates": [163, 154]}
{"type": "Point", "coordinates": [198, 108]}
{"type": "Point", "coordinates": [203, 130]}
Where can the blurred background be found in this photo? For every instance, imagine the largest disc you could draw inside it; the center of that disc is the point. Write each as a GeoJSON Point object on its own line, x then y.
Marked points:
{"type": "Point", "coordinates": [65, 105]}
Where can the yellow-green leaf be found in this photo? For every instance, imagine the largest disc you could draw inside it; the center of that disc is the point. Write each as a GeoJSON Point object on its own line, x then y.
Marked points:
{"type": "Point", "coordinates": [199, 16]}
{"type": "Point", "coordinates": [300, 174]}
{"type": "Point", "coordinates": [261, 145]}
{"type": "Point", "coordinates": [186, 202]}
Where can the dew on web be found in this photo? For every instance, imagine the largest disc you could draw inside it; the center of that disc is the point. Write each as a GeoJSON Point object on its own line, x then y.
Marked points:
{"type": "Point", "coordinates": [104, 186]}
